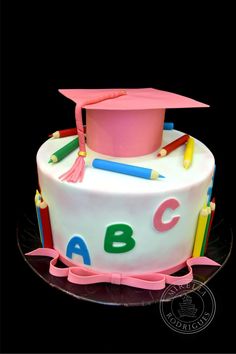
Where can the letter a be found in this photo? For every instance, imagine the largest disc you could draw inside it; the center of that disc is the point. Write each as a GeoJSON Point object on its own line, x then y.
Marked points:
{"type": "Point", "coordinates": [78, 246]}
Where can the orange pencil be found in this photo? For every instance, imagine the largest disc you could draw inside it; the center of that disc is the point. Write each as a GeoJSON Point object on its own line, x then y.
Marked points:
{"type": "Point", "coordinates": [173, 145]}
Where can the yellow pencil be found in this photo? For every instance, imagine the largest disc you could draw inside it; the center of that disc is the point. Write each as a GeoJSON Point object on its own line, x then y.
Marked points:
{"type": "Point", "coordinates": [206, 231]}
{"type": "Point", "coordinates": [37, 198]}
{"type": "Point", "coordinates": [188, 154]}
{"type": "Point", "coordinates": [201, 226]}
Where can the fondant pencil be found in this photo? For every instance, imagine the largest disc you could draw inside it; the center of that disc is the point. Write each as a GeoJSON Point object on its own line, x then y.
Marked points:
{"type": "Point", "coordinates": [168, 126]}
{"type": "Point", "coordinates": [206, 232]}
{"type": "Point", "coordinates": [46, 225]}
{"type": "Point", "coordinates": [130, 170]}
{"type": "Point", "coordinates": [201, 226]}
{"type": "Point", "coordinates": [65, 132]}
{"type": "Point", "coordinates": [213, 208]}
{"type": "Point", "coordinates": [64, 151]}
{"type": "Point", "coordinates": [173, 145]}
{"type": "Point", "coordinates": [37, 201]}
{"type": "Point", "coordinates": [210, 189]}
{"type": "Point", "coordinates": [188, 154]}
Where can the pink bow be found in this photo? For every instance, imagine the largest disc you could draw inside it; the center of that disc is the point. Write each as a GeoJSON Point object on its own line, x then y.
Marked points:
{"type": "Point", "coordinates": [151, 281]}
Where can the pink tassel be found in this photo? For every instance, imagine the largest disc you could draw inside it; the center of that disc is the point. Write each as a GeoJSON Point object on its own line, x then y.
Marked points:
{"type": "Point", "coordinates": [76, 172]}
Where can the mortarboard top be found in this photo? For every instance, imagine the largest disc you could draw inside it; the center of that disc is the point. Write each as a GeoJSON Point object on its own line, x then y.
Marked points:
{"type": "Point", "coordinates": [122, 122]}
{"type": "Point", "coordinates": [135, 99]}
{"type": "Point", "coordinates": [135, 125]}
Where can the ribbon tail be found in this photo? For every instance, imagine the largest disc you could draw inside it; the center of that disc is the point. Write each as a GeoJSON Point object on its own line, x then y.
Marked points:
{"type": "Point", "coordinates": [187, 278]}
{"type": "Point", "coordinates": [47, 252]}
{"type": "Point", "coordinates": [76, 172]}
{"type": "Point", "coordinates": [202, 261]}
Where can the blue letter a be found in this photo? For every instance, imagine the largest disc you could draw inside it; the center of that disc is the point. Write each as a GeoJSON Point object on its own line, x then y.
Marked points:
{"type": "Point", "coordinates": [78, 246]}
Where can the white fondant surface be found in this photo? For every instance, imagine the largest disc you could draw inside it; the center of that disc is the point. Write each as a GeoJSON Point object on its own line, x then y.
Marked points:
{"type": "Point", "coordinates": [105, 198]}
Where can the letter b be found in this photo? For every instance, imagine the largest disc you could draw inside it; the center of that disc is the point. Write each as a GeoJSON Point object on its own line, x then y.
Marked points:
{"type": "Point", "coordinates": [119, 233]}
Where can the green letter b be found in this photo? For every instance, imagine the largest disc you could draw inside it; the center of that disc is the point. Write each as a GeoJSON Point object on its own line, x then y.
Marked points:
{"type": "Point", "coordinates": [119, 233]}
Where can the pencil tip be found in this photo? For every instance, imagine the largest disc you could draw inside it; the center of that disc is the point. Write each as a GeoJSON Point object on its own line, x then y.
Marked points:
{"type": "Point", "coordinates": [50, 135]}
{"type": "Point", "coordinates": [161, 176]}
{"type": "Point", "coordinates": [162, 153]}
{"type": "Point", "coordinates": [187, 163]}
{"type": "Point", "coordinates": [50, 161]}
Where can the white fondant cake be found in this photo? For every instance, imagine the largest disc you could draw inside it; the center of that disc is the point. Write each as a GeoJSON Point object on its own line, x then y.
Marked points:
{"type": "Point", "coordinates": [105, 198]}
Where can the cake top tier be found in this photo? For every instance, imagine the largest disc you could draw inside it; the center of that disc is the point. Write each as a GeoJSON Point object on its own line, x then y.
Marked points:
{"type": "Point", "coordinates": [131, 99]}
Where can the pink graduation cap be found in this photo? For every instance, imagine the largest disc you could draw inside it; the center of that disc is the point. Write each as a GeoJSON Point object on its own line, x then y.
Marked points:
{"type": "Point", "coordinates": [121, 122]}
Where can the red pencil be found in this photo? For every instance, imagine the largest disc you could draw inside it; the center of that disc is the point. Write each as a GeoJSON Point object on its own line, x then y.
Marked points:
{"type": "Point", "coordinates": [173, 145]}
{"type": "Point", "coordinates": [46, 225]}
{"type": "Point", "coordinates": [213, 208]}
{"type": "Point", "coordinates": [65, 132]}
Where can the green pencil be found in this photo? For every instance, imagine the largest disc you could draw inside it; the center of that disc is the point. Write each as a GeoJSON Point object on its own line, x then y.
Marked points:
{"type": "Point", "coordinates": [206, 232]}
{"type": "Point", "coordinates": [64, 151]}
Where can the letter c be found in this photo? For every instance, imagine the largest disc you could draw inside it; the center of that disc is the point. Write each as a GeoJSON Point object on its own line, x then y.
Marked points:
{"type": "Point", "coordinates": [159, 225]}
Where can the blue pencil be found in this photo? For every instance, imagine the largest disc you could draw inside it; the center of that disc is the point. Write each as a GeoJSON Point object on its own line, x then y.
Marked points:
{"type": "Point", "coordinates": [130, 170]}
{"type": "Point", "coordinates": [210, 189]}
{"type": "Point", "coordinates": [37, 200]}
{"type": "Point", "coordinates": [168, 126]}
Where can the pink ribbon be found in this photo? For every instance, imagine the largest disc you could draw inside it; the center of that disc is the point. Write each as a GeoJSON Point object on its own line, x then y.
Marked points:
{"type": "Point", "coordinates": [152, 281]}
